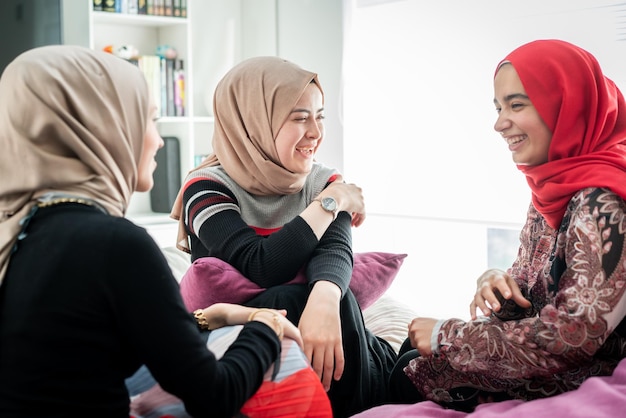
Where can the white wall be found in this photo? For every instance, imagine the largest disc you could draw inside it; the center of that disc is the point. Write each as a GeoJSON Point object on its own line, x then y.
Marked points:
{"type": "Point", "coordinates": [418, 131]}
{"type": "Point", "coordinates": [306, 32]}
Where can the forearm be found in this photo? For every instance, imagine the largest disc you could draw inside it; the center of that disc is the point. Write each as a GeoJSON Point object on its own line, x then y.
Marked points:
{"type": "Point", "coordinates": [332, 259]}
{"type": "Point", "coordinates": [266, 261]}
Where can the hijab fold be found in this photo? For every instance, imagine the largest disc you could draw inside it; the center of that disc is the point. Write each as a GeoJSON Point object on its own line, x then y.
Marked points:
{"type": "Point", "coordinates": [586, 113]}
{"type": "Point", "coordinates": [72, 121]}
{"type": "Point", "coordinates": [251, 103]}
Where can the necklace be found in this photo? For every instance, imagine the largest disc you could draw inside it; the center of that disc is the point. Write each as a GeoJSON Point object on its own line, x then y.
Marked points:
{"type": "Point", "coordinates": [51, 199]}
{"type": "Point", "coordinates": [59, 200]}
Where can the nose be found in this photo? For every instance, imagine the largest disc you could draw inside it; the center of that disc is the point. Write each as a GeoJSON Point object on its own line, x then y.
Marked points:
{"type": "Point", "coordinates": [502, 123]}
{"type": "Point", "coordinates": [315, 130]}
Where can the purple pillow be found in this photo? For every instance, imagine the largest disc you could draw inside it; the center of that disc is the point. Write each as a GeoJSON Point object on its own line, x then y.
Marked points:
{"type": "Point", "coordinates": [210, 280]}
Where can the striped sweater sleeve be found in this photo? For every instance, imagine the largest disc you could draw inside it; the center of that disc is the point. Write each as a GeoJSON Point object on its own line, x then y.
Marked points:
{"type": "Point", "coordinates": [214, 222]}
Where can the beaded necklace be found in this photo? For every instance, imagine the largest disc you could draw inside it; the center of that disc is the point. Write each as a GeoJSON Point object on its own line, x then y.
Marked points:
{"type": "Point", "coordinates": [51, 199]}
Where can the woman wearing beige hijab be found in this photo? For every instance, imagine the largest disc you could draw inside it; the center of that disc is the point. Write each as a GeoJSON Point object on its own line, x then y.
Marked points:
{"type": "Point", "coordinates": [86, 297]}
{"type": "Point", "coordinates": [263, 204]}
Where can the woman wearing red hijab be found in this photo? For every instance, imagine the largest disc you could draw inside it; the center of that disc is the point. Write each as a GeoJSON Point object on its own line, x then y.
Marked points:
{"type": "Point", "coordinates": [556, 317]}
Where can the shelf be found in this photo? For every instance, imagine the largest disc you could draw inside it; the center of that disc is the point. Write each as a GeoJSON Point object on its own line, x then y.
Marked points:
{"type": "Point", "coordinates": [204, 119]}
{"type": "Point", "coordinates": [138, 20]}
{"type": "Point", "coordinates": [174, 119]}
{"type": "Point", "coordinates": [151, 218]}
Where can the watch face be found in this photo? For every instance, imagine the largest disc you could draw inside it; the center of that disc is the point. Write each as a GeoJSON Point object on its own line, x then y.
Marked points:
{"type": "Point", "coordinates": [329, 204]}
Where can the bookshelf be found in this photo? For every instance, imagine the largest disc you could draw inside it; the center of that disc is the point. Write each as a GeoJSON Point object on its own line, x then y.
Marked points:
{"type": "Point", "coordinates": [99, 29]}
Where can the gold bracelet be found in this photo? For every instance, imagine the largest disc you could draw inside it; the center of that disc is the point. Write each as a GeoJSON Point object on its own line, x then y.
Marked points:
{"type": "Point", "coordinates": [201, 319]}
{"type": "Point", "coordinates": [278, 328]}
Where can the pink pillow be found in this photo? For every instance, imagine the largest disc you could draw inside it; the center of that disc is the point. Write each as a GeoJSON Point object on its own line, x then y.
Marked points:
{"type": "Point", "coordinates": [210, 280]}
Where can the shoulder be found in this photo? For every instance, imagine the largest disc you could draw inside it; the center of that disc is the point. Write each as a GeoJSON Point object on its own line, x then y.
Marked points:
{"type": "Point", "coordinates": [324, 173]}
{"type": "Point", "coordinates": [598, 198]}
{"type": "Point", "coordinates": [209, 178]}
{"type": "Point", "coordinates": [319, 178]}
{"type": "Point", "coordinates": [95, 238]}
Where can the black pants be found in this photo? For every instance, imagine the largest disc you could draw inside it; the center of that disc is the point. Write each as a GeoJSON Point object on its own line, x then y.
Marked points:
{"type": "Point", "coordinates": [401, 389]}
{"type": "Point", "coordinates": [368, 359]}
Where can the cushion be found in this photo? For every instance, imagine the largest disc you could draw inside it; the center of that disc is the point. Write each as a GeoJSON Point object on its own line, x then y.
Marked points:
{"type": "Point", "coordinates": [598, 396]}
{"type": "Point", "coordinates": [292, 390]}
{"type": "Point", "coordinates": [210, 280]}
{"type": "Point", "coordinates": [179, 261]}
{"type": "Point", "coordinates": [388, 318]}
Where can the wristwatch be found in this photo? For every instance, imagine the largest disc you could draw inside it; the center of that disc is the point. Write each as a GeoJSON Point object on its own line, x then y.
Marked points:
{"type": "Point", "coordinates": [329, 204]}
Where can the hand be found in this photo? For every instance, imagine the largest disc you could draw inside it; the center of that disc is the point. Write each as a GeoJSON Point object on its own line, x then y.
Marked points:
{"type": "Point", "coordinates": [420, 333]}
{"type": "Point", "coordinates": [223, 314]}
{"type": "Point", "coordinates": [349, 198]}
{"type": "Point", "coordinates": [320, 325]}
{"type": "Point", "coordinates": [489, 285]}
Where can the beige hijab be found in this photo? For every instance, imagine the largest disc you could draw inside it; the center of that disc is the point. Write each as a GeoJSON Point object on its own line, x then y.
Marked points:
{"type": "Point", "coordinates": [72, 121]}
{"type": "Point", "coordinates": [251, 103]}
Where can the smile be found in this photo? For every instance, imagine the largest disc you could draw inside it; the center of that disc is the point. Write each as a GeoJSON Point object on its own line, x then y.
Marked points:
{"type": "Point", "coordinates": [513, 140]}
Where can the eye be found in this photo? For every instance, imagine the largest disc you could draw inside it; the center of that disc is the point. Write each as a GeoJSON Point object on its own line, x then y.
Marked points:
{"type": "Point", "coordinates": [321, 117]}
{"type": "Point", "coordinates": [498, 109]}
{"type": "Point", "coordinates": [517, 105]}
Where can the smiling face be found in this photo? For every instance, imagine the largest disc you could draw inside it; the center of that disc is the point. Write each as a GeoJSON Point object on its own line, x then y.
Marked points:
{"type": "Point", "coordinates": [298, 139]}
{"type": "Point", "coordinates": [518, 121]}
{"type": "Point", "coordinates": [152, 141]}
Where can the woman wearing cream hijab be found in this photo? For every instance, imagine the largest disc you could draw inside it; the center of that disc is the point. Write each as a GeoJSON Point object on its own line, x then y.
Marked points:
{"type": "Point", "coordinates": [84, 292]}
{"type": "Point", "coordinates": [262, 204]}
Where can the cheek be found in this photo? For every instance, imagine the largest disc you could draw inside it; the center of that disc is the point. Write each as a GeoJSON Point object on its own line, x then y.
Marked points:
{"type": "Point", "coordinates": [284, 143]}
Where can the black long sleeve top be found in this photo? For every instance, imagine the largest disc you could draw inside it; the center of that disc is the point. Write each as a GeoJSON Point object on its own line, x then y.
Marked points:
{"type": "Point", "coordinates": [86, 300]}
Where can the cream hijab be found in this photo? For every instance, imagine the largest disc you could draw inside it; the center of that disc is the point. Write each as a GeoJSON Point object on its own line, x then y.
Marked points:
{"type": "Point", "coordinates": [251, 103]}
{"type": "Point", "coordinates": [72, 121]}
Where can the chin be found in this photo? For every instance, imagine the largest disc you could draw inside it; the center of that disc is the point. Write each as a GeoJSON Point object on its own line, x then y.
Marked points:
{"type": "Point", "coordinates": [144, 187]}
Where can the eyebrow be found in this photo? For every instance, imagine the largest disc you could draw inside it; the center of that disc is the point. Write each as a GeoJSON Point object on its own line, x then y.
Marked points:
{"type": "Point", "coordinates": [511, 97]}
{"type": "Point", "coordinates": [321, 109]}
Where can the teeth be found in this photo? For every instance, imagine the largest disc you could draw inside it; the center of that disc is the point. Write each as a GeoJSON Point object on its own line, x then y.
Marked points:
{"type": "Point", "coordinates": [305, 150]}
{"type": "Point", "coordinates": [515, 140]}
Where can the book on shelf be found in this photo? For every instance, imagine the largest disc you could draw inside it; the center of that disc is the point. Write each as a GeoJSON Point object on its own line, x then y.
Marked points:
{"type": "Point", "coordinates": [159, 7]}
{"type": "Point", "coordinates": [150, 7]}
{"type": "Point", "coordinates": [109, 6]}
{"type": "Point", "coordinates": [165, 80]}
{"type": "Point", "coordinates": [179, 88]}
{"type": "Point", "coordinates": [175, 8]}
{"type": "Point", "coordinates": [168, 8]}
{"type": "Point", "coordinates": [169, 87]}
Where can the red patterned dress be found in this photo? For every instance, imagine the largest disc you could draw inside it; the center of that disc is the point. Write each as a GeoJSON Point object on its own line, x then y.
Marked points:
{"type": "Point", "coordinates": [575, 329]}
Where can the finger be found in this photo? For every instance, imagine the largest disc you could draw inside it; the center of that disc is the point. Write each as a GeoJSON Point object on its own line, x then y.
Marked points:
{"type": "Point", "coordinates": [519, 298]}
{"type": "Point", "coordinates": [308, 352]}
{"type": "Point", "coordinates": [473, 308]}
{"type": "Point", "coordinates": [318, 364]}
{"type": "Point", "coordinates": [329, 365]}
{"type": "Point", "coordinates": [504, 287]}
{"type": "Point", "coordinates": [486, 301]}
{"type": "Point", "coordinates": [357, 219]}
{"type": "Point", "coordinates": [291, 331]}
{"type": "Point", "coordinates": [491, 296]}
{"type": "Point", "coordinates": [339, 361]}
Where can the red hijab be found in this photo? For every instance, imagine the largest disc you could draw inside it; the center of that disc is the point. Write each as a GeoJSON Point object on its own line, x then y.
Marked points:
{"type": "Point", "coordinates": [586, 113]}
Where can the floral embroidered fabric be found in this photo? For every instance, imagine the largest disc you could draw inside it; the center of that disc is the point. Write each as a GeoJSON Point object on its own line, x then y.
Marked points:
{"type": "Point", "coordinates": [575, 329]}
